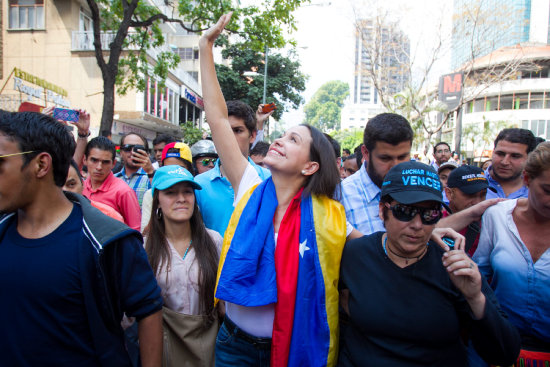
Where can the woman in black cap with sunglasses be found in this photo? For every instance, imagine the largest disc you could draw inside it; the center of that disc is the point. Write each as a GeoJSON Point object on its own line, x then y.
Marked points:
{"type": "Point", "coordinates": [406, 301]}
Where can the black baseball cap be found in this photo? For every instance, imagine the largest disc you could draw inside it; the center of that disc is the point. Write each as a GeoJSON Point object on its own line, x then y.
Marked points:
{"type": "Point", "coordinates": [468, 179]}
{"type": "Point", "coordinates": [412, 182]}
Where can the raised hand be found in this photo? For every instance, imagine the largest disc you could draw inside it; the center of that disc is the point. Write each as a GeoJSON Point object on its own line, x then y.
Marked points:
{"type": "Point", "coordinates": [213, 33]}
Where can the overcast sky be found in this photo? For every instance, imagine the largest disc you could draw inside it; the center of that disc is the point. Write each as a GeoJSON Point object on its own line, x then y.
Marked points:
{"type": "Point", "coordinates": [325, 37]}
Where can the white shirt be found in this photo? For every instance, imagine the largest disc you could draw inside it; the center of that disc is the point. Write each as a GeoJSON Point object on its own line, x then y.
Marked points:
{"type": "Point", "coordinates": [179, 282]}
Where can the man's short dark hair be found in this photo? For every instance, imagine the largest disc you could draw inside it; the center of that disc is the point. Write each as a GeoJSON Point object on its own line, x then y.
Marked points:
{"type": "Point", "coordinates": [335, 145]}
{"type": "Point", "coordinates": [242, 111]}
{"type": "Point", "coordinates": [164, 138]}
{"type": "Point", "coordinates": [520, 136]}
{"type": "Point", "coordinates": [358, 155]}
{"type": "Point", "coordinates": [389, 128]}
{"type": "Point", "coordinates": [38, 133]}
{"type": "Point", "coordinates": [351, 156]}
{"type": "Point", "coordinates": [260, 148]}
{"type": "Point", "coordinates": [101, 143]}
{"type": "Point", "coordinates": [346, 150]}
{"type": "Point", "coordinates": [145, 142]}
{"type": "Point", "coordinates": [105, 133]}
{"type": "Point", "coordinates": [441, 143]}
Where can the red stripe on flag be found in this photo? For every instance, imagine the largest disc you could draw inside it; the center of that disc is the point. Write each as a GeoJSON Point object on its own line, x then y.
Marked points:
{"type": "Point", "coordinates": [286, 266]}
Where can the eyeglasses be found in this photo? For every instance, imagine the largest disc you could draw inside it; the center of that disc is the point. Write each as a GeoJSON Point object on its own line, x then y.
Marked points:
{"type": "Point", "coordinates": [443, 151]}
{"type": "Point", "coordinates": [19, 153]}
{"type": "Point", "coordinates": [406, 213]}
{"type": "Point", "coordinates": [207, 161]}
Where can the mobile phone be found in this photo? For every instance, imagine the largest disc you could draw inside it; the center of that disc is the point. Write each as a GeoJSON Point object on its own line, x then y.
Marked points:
{"type": "Point", "coordinates": [66, 114]}
{"type": "Point", "coordinates": [449, 242]}
{"type": "Point", "coordinates": [266, 108]}
{"type": "Point", "coordinates": [135, 148]}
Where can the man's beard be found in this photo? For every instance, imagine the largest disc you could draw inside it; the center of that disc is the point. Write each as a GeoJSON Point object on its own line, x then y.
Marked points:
{"type": "Point", "coordinates": [505, 179]}
{"type": "Point", "coordinates": [374, 176]}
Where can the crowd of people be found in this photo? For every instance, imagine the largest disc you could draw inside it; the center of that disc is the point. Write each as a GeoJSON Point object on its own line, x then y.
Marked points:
{"type": "Point", "coordinates": [234, 252]}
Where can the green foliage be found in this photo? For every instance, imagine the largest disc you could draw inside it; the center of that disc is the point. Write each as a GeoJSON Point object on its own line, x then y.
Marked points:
{"type": "Point", "coordinates": [191, 134]}
{"type": "Point", "coordinates": [348, 139]}
{"type": "Point", "coordinates": [481, 135]}
{"type": "Point", "coordinates": [285, 82]}
{"type": "Point", "coordinates": [323, 111]}
{"type": "Point", "coordinates": [258, 26]}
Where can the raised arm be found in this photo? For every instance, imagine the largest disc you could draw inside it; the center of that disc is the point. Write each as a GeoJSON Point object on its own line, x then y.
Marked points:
{"type": "Point", "coordinates": [232, 159]}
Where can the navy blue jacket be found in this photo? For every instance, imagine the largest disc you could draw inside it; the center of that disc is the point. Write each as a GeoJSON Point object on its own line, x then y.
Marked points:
{"type": "Point", "coordinates": [116, 279]}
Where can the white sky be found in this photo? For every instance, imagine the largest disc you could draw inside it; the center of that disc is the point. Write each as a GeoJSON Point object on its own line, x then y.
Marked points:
{"type": "Point", "coordinates": [325, 38]}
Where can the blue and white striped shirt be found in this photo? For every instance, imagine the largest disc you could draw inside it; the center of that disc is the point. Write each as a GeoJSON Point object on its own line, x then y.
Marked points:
{"type": "Point", "coordinates": [360, 197]}
{"type": "Point", "coordinates": [139, 182]}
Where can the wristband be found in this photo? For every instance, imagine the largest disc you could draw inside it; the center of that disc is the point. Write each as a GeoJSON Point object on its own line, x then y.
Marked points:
{"type": "Point", "coordinates": [84, 136]}
{"type": "Point", "coordinates": [150, 175]}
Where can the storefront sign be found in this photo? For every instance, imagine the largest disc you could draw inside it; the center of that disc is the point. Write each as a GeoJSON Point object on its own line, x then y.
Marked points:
{"type": "Point", "coordinates": [53, 93]}
{"type": "Point", "coordinates": [192, 97]}
{"type": "Point", "coordinates": [121, 128]}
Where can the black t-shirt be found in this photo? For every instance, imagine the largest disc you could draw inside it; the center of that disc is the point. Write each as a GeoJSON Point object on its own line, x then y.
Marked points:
{"type": "Point", "coordinates": [408, 316]}
{"type": "Point", "coordinates": [42, 311]}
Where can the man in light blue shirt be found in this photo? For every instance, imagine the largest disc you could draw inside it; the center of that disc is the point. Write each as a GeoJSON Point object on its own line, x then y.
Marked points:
{"type": "Point", "coordinates": [509, 156]}
{"type": "Point", "coordinates": [215, 200]}
{"type": "Point", "coordinates": [387, 141]}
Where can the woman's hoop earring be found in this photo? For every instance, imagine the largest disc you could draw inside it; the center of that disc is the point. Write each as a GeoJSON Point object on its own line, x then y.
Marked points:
{"type": "Point", "coordinates": [159, 213]}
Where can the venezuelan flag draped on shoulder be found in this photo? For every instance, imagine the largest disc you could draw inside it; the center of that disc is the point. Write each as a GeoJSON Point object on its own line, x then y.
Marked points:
{"type": "Point", "coordinates": [300, 274]}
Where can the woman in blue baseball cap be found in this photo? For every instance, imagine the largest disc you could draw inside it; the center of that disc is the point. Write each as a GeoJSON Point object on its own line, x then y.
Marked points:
{"type": "Point", "coordinates": [406, 301]}
{"type": "Point", "coordinates": [184, 256]}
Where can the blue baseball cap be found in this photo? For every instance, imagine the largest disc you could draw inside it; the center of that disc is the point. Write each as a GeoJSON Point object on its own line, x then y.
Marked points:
{"type": "Point", "coordinates": [412, 182]}
{"type": "Point", "coordinates": [168, 176]}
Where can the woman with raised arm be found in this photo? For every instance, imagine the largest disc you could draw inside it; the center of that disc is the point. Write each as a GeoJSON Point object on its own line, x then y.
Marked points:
{"type": "Point", "coordinates": [280, 260]}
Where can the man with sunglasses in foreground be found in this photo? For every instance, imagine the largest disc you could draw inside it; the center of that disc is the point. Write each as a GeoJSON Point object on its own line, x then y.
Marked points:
{"type": "Point", "coordinates": [408, 302]}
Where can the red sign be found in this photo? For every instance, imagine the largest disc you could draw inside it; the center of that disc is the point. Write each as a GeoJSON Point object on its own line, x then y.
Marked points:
{"type": "Point", "coordinates": [30, 107]}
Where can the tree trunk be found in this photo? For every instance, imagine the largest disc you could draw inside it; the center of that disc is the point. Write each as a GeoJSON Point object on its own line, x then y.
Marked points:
{"type": "Point", "coordinates": [108, 105]}
{"type": "Point", "coordinates": [458, 132]}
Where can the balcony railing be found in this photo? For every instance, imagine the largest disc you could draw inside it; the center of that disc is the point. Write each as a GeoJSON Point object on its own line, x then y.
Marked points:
{"type": "Point", "coordinates": [84, 40]}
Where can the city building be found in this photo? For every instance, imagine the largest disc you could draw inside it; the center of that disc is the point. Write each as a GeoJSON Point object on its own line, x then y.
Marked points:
{"type": "Point", "coordinates": [481, 27]}
{"type": "Point", "coordinates": [381, 51]}
{"type": "Point", "coordinates": [522, 100]}
{"type": "Point", "coordinates": [48, 59]}
{"type": "Point", "coordinates": [508, 83]}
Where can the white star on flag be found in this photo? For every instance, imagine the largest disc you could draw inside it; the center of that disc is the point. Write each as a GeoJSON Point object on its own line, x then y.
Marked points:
{"type": "Point", "coordinates": [303, 248]}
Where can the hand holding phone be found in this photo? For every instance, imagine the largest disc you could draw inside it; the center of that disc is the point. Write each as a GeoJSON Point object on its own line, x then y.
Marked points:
{"type": "Point", "coordinates": [449, 242]}
{"type": "Point", "coordinates": [65, 114]}
{"type": "Point", "coordinates": [267, 108]}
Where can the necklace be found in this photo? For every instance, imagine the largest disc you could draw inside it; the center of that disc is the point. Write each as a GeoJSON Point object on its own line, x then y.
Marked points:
{"type": "Point", "coordinates": [404, 257]}
{"type": "Point", "coordinates": [187, 249]}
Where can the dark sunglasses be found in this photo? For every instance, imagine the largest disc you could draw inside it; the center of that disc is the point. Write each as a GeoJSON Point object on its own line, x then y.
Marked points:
{"type": "Point", "coordinates": [129, 147]}
{"type": "Point", "coordinates": [207, 161]}
{"type": "Point", "coordinates": [406, 213]}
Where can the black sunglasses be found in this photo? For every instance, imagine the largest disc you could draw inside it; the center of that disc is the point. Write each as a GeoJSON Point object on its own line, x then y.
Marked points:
{"type": "Point", "coordinates": [406, 213]}
{"type": "Point", "coordinates": [129, 147]}
{"type": "Point", "coordinates": [207, 161]}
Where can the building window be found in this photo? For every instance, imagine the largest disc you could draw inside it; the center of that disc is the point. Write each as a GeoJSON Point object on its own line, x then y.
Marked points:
{"type": "Point", "coordinates": [537, 100]}
{"type": "Point", "coordinates": [188, 53]}
{"type": "Point", "coordinates": [161, 102]}
{"type": "Point", "coordinates": [26, 14]}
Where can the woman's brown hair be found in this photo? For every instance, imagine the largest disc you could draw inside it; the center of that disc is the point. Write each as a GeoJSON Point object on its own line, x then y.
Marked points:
{"type": "Point", "coordinates": [538, 160]}
{"type": "Point", "coordinates": [206, 254]}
